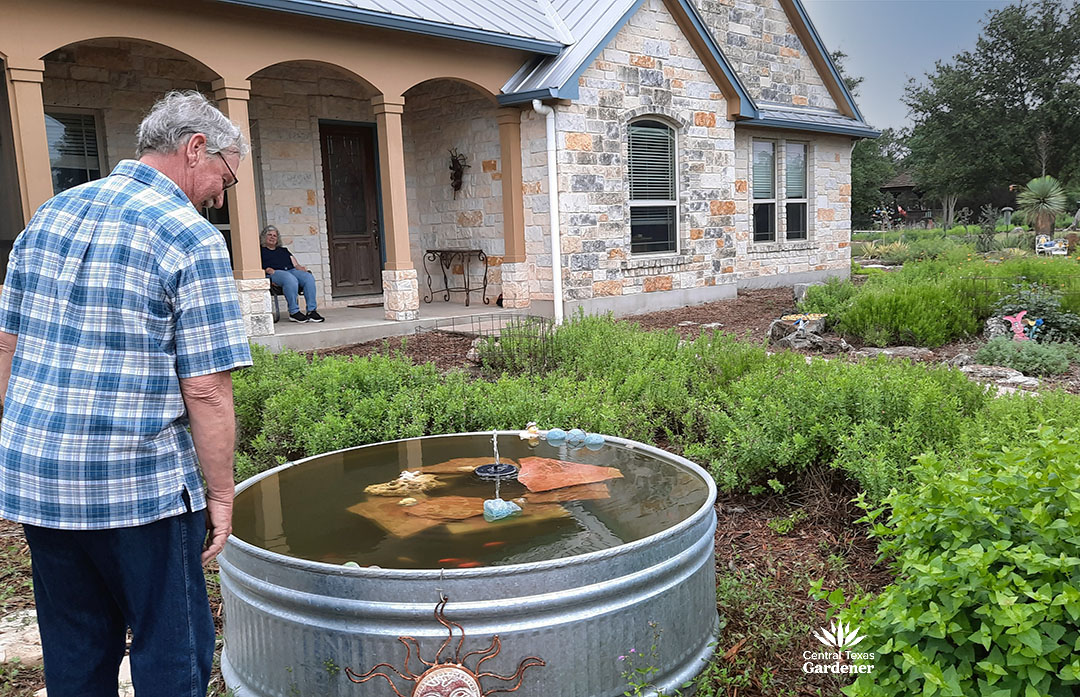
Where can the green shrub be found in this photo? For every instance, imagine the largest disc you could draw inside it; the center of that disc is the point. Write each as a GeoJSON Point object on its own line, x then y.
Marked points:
{"type": "Point", "coordinates": [868, 420]}
{"type": "Point", "coordinates": [987, 596]}
{"type": "Point", "coordinates": [929, 314]}
{"type": "Point", "coordinates": [1029, 357]}
{"type": "Point", "coordinates": [831, 298]}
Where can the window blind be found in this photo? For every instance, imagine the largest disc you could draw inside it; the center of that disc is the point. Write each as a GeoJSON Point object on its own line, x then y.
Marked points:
{"type": "Point", "coordinates": [795, 156]}
{"type": "Point", "coordinates": [72, 141]}
{"type": "Point", "coordinates": [764, 170]}
{"type": "Point", "coordinates": [652, 161]}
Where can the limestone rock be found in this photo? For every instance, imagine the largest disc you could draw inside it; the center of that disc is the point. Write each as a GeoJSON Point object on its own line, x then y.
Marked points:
{"type": "Point", "coordinates": [991, 373]}
{"type": "Point", "coordinates": [19, 638]}
{"type": "Point", "coordinates": [474, 350]}
{"type": "Point", "coordinates": [912, 352]}
{"type": "Point", "coordinates": [799, 290]}
{"type": "Point", "coordinates": [959, 360]}
{"type": "Point", "coordinates": [782, 328]}
{"type": "Point", "coordinates": [996, 327]}
{"type": "Point", "coordinates": [813, 342]}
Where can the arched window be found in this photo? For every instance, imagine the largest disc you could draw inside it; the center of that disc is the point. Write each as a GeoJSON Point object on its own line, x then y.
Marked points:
{"type": "Point", "coordinates": [654, 194]}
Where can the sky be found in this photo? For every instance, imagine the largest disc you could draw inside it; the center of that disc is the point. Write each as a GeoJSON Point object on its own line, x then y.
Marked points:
{"type": "Point", "coordinates": [888, 41]}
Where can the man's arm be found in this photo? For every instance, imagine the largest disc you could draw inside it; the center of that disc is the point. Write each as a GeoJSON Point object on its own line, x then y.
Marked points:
{"type": "Point", "coordinates": [209, 402]}
{"type": "Point", "coordinates": [7, 352]}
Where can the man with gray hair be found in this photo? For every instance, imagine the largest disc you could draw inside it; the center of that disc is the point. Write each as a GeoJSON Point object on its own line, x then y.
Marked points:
{"type": "Point", "coordinates": [119, 326]}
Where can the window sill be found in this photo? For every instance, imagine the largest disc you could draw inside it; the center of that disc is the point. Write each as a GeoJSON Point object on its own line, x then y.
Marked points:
{"type": "Point", "coordinates": [654, 261]}
{"type": "Point", "coordinates": [776, 247]}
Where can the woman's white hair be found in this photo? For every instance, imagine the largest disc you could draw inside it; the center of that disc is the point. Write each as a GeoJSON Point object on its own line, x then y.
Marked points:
{"type": "Point", "coordinates": [179, 115]}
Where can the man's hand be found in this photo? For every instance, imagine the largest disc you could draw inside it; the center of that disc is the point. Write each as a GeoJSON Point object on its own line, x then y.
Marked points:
{"type": "Point", "coordinates": [218, 526]}
{"type": "Point", "coordinates": [269, 271]}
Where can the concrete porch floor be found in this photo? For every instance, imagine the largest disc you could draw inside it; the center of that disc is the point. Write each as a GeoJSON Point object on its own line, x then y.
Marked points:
{"type": "Point", "coordinates": [352, 325]}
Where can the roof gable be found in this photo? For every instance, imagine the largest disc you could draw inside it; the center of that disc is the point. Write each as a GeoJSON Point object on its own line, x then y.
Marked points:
{"type": "Point", "coordinates": [594, 24]}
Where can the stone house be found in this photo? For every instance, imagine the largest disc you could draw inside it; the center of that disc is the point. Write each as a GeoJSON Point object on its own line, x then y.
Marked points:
{"type": "Point", "coordinates": [695, 146]}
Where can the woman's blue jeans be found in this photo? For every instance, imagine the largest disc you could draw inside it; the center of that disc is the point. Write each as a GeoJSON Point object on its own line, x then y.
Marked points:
{"type": "Point", "coordinates": [291, 281]}
{"type": "Point", "coordinates": [91, 585]}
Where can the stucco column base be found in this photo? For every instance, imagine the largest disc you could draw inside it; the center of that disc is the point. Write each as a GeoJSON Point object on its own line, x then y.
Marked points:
{"type": "Point", "coordinates": [401, 294]}
{"type": "Point", "coordinates": [255, 305]}
{"type": "Point", "coordinates": [515, 286]}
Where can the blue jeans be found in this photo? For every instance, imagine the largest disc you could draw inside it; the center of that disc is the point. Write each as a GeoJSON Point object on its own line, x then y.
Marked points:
{"type": "Point", "coordinates": [91, 585]}
{"type": "Point", "coordinates": [290, 281]}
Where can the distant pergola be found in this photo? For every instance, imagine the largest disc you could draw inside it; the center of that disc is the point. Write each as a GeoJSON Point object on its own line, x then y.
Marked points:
{"type": "Point", "coordinates": [904, 193]}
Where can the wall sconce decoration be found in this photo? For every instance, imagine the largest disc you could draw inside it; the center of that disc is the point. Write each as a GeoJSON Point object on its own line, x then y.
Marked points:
{"type": "Point", "coordinates": [458, 163]}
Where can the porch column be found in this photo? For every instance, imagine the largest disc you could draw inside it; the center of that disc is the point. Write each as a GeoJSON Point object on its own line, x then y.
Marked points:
{"type": "Point", "coordinates": [515, 273]}
{"type": "Point", "coordinates": [401, 293]}
{"type": "Point", "coordinates": [24, 78]}
{"type": "Point", "coordinates": [251, 281]}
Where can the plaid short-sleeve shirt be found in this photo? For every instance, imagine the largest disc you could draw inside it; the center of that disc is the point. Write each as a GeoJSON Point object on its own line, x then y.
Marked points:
{"type": "Point", "coordinates": [116, 290]}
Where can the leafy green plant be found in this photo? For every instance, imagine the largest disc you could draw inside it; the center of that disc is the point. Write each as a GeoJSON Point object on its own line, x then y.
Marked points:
{"type": "Point", "coordinates": [785, 524]}
{"type": "Point", "coordinates": [987, 597]}
{"type": "Point", "coordinates": [1029, 357]}
{"type": "Point", "coordinates": [640, 669]}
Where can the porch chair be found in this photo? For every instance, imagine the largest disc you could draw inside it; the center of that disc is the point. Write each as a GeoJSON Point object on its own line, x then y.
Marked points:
{"type": "Point", "coordinates": [275, 293]}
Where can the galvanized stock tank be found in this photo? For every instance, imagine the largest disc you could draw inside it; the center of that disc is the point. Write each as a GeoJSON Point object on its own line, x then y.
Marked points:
{"type": "Point", "coordinates": [293, 625]}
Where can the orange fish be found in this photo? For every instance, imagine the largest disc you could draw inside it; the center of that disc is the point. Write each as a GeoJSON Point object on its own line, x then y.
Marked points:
{"type": "Point", "coordinates": [469, 565]}
{"type": "Point", "coordinates": [451, 560]}
{"type": "Point", "coordinates": [495, 543]}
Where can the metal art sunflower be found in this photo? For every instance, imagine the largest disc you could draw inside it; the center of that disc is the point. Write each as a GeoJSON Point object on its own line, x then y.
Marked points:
{"type": "Point", "coordinates": [451, 678]}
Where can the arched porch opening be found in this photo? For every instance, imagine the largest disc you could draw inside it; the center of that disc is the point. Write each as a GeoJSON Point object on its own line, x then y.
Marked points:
{"type": "Point", "coordinates": [446, 119]}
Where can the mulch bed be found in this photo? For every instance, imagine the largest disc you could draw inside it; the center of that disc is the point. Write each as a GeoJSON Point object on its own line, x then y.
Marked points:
{"type": "Point", "coordinates": [747, 316]}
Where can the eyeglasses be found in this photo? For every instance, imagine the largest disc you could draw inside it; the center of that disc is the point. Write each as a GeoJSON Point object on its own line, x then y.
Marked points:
{"type": "Point", "coordinates": [231, 172]}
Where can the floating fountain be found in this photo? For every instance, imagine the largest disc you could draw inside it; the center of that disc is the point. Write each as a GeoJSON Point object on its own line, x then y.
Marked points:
{"type": "Point", "coordinates": [559, 545]}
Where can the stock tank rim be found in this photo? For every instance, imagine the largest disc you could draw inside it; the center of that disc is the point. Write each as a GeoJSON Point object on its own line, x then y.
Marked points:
{"type": "Point", "coordinates": [326, 569]}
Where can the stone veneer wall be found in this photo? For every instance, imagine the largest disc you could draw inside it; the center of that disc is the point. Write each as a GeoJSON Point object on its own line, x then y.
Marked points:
{"type": "Point", "coordinates": [287, 101]}
{"type": "Point", "coordinates": [649, 68]}
{"type": "Point", "coordinates": [758, 39]}
{"type": "Point", "coordinates": [827, 251]}
{"type": "Point", "coordinates": [439, 116]}
{"type": "Point", "coordinates": [119, 81]}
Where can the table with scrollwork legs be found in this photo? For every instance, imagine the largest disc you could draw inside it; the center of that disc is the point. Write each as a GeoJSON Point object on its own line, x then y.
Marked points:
{"type": "Point", "coordinates": [445, 259]}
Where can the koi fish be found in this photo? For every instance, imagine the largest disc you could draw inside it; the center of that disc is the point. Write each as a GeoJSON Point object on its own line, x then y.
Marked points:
{"type": "Point", "coordinates": [452, 560]}
{"type": "Point", "coordinates": [495, 543]}
{"type": "Point", "coordinates": [469, 565]}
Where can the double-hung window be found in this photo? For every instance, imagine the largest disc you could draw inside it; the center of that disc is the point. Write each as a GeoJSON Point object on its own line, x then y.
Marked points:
{"type": "Point", "coordinates": [795, 191]}
{"type": "Point", "coordinates": [74, 155]}
{"type": "Point", "coordinates": [764, 178]}
{"type": "Point", "coordinates": [780, 204]}
{"type": "Point", "coordinates": [654, 219]}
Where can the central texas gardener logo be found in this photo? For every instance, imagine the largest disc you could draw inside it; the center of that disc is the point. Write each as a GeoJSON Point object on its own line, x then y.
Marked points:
{"type": "Point", "coordinates": [839, 637]}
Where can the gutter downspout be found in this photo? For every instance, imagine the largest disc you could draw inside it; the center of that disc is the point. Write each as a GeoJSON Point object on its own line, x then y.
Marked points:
{"type": "Point", "coordinates": [553, 209]}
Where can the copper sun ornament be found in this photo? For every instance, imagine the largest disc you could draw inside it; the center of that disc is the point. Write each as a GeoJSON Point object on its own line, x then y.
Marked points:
{"type": "Point", "coordinates": [452, 677]}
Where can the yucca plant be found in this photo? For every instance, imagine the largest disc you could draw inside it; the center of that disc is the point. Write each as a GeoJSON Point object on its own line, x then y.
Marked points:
{"type": "Point", "coordinates": [1042, 201]}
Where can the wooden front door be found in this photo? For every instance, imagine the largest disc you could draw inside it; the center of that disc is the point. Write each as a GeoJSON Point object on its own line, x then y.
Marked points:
{"type": "Point", "coordinates": [352, 210]}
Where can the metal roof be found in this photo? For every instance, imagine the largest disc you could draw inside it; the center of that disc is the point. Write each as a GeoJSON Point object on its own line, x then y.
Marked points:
{"type": "Point", "coordinates": [567, 35]}
{"type": "Point", "coordinates": [531, 25]}
{"type": "Point", "coordinates": [796, 119]}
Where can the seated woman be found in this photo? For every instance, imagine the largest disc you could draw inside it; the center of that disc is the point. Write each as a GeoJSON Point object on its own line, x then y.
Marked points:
{"type": "Point", "coordinates": [283, 270]}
